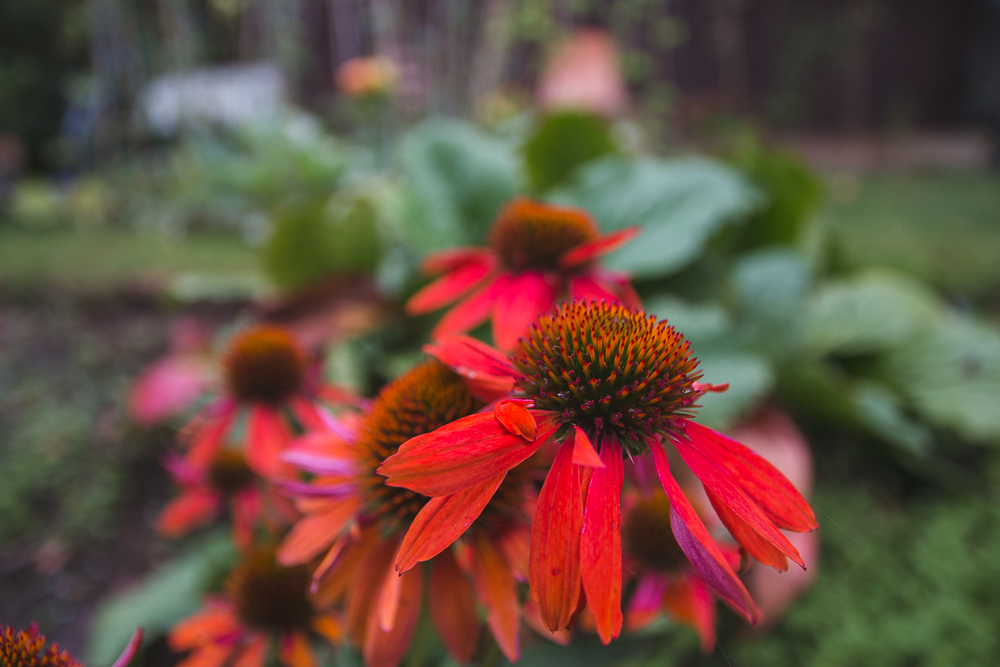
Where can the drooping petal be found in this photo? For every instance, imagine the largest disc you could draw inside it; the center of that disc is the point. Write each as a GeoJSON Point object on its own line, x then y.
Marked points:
{"type": "Point", "coordinates": [689, 602]}
{"type": "Point", "coordinates": [312, 534]}
{"type": "Point", "coordinates": [386, 649]}
{"type": "Point", "coordinates": [130, 649]}
{"type": "Point", "coordinates": [516, 418]}
{"type": "Point", "coordinates": [167, 388]}
{"type": "Point", "coordinates": [294, 650]}
{"type": "Point", "coordinates": [515, 544]}
{"type": "Point", "coordinates": [761, 481]}
{"type": "Point", "coordinates": [253, 654]}
{"type": "Point", "coordinates": [584, 453]}
{"type": "Point", "coordinates": [319, 464]}
{"type": "Point", "coordinates": [449, 287]}
{"type": "Point", "coordinates": [698, 545]}
{"type": "Point", "coordinates": [534, 620]}
{"type": "Point", "coordinates": [456, 456]}
{"type": "Point", "coordinates": [747, 537]}
{"type": "Point", "coordinates": [207, 430]}
{"type": "Point", "coordinates": [554, 567]}
{"type": "Point", "coordinates": [646, 601]}
{"type": "Point", "coordinates": [471, 311]}
{"type": "Point", "coordinates": [442, 521]}
{"type": "Point", "coordinates": [192, 509]}
{"type": "Point", "coordinates": [267, 436]}
{"type": "Point", "coordinates": [725, 489]}
{"type": "Point", "coordinates": [244, 508]}
{"type": "Point", "coordinates": [453, 609]}
{"type": "Point", "coordinates": [599, 246]}
{"type": "Point", "coordinates": [387, 603]}
{"type": "Point", "coordinates": [525, 296]}
{"type": "Point", "coordinates": [497, 590]}
{"type": "Point", "coordinates": [470, 357]}
{"type": "Point", "coordinates": [601, 543]}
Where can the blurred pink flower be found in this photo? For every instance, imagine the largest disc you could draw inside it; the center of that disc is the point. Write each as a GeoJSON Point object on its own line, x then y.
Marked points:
{"type": "Point", "coordinates": [772, 434]}
{"type": "Point", "coordinates": [584, 74]}
{"type": "Point", "coordinates": [169, 386]}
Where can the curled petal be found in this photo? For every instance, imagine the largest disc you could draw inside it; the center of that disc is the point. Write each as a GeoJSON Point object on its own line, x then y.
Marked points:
{"type": "Point", "coordinates": [523, 299]}
{"type": "Point", "coordinates": [130, 649]}
{"type": "Point", "coordinates": [761, 481]}
{"type": "Point", "coordinates": [601, 543]}
{"type": "Point", "coordinates": [449, 287]}
{"type": "Point", "coordinates": [697, 544]}
{"type": "Point", "coordinates": [442, 521]}
{"type": "Point", "coordinates": [461, 454]}
{"type": "Point", "coordinates": [453, 609]}
{"type": "Point", "coordinates": [554, 566]}
{"type": "Point", "coordinates": [600, 246]}
{"type": "Point", "coordinates": [583, 451]}
{"type": "Point", "coordinates": [497, 590]}
{"type": "Point", "coordinates": [516, 418]}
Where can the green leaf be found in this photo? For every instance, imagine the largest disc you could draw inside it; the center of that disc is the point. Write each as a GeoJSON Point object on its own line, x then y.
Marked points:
{"type": "Point", "coordinates": [166, 596]}
{"type": "Point", "coordinates": [881, 411]}
{"type": "Point", "coordinates": [678, 204]}
{"type": "Point", "coordinates": [867, 313]}
{"type": "Point", "coordinates": [750, 379]}
{"type": "Point", "coordinates": [770, 287]}
{"type": "Point", "coordinates": [561, 143]}
{"type": "Point", "coordinates": [460, 177]}
{"type": "Point", "coordinates": [951, 375]}
{"type": "Point", "coordinates": [317, 239]}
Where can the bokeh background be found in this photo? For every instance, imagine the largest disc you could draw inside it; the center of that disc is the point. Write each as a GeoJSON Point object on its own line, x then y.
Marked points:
{"type": "Point", "coordinates": [820, 208]}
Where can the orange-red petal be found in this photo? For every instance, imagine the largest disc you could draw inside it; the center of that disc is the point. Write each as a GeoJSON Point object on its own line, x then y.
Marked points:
{"type": "Point", "coordinates": [207, 432]}
{"type": "Point", "coordinates": [209, 624]}
{"type": "Point", "coordinates": [453, 609]}
{"type": "Point", "coordinates": [764, 483]}
{"type": "Point", "coordinates": [601, 543]}
{"type": "Point", "coordinates": [599, 246]}
{"type": "Point", "coordinates": [312, 534]}
{"type": "Point", "coordinates": [698, 545]}
{"type": "Point", "coordinates": [450, 286]}
{"type": "Point", "coordinates": [728, 491]}
{"type": "Point", "coordinates": [466, 452]}
{"type": "Point", "coordinates": [584, 453]}
{"type": "Point", "coordinates": [516, 418]}
{"type": "Point", "coordinates": [294, 650]}
{"type": "Point", "coordinates": [267, 436]}
{"type": "Point", "coordinates": [554, 565]}
{"type": "Point", "coordinates": [525, 296]}
{"type": "Point", "coordinates": [442, 521]}
{"type": "Point", "coordinates": [253, 654]}
{"type": "Point", "coordinates": [471, 311]}
{"type": "Point", "coordinates": [386, 649]}
{"type": "Point", "coordinates": [448, 260]}
{"type": "Point", "coordinates": [688, 601]}
{"type": "Point", "coordinates": [497, 591]}
{"type": "Point", "coordinates": [747, 537]}
{"type": "Point", "coordinates": [195, 507]}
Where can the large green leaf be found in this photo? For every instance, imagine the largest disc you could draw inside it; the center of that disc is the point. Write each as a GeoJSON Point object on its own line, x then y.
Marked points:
{"type": "Point", "coordinates": [563, 141]}
{"type": "Point", "coordinates": [867, 313]}
{"type": "Point", "coordinates": [951, 375]}
{"type": "Point", "coordinates": [460, 178]}
{"type": "Point", "coordinates": [165, 597]}
{"type": "Point", "coordinates": [678, 204]}
{"type": "Point", "coordinates": [770, 287]}
{"type": "Point", "coordinates": [880, 411]}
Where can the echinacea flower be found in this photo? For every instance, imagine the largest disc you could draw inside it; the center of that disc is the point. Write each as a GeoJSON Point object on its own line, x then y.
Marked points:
{"type": "Point", "coordinates": [206, 490]}
{"type": "Point", "coordinates": [364, 526]}
{"type": "Point", "coordinates": [26, 648]}
{"type": "Point", "coordinates": [538, 254]}
{"type": "Point", "coordinates": [266, 378]}
{"type": "Point", "coordinates": [263, 603]}
{"type": "Point", "coordinates": [666, 580]}
{"type": "Point", "coordinates": [603, 381]}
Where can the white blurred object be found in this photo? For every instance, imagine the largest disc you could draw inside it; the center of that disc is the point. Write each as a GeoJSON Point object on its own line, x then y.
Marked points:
{"type": "Point", "coordinates": [772, 434]}
{"type": "Point", "coordinates": [584, 73]}
{"type": "Point", "coordinates": [231, 95]}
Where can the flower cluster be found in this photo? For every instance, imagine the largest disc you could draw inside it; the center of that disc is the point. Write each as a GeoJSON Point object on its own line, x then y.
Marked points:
{"type": "Point", "coordinates": [492, 488]}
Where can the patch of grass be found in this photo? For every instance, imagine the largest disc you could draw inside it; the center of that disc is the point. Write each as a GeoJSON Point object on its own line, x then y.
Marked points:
{"type": "Point", "coordinates": [943, 227]}
{"type": "Point", "coordinates": [106, 260]}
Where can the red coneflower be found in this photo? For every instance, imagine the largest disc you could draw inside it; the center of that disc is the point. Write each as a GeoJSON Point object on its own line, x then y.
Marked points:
{"type": "Point", "coordinates": [609, 375]}
{"type": "Point", "coordinates": [26, 648]}
{"type": "Point", "coordinates": [207, 489]}
{"type": "Point", "coordinates": [666, 581]}
{"type": "Point", "coordinates": [538, 254]}
{"type": "Point", "coordinates": [360, 523]}
{"type": "Point", "coordinates": [263, 602]}
{"type": "Point", "coordinates": [265, 373]}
